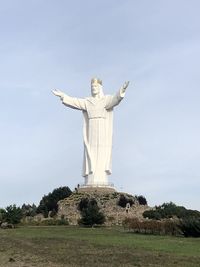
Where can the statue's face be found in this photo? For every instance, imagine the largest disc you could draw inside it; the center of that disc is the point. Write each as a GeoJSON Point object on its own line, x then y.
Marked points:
{"type": "Point", "coordinates": [95, 88]}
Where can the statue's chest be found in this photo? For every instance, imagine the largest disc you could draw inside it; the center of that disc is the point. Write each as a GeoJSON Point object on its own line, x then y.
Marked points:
{"type": "Point", "coordinates": [96, 108]}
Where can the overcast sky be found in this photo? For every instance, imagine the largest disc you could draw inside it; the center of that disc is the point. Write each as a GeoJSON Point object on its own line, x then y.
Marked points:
{"type": "Point", "coordinates": [62, 44]}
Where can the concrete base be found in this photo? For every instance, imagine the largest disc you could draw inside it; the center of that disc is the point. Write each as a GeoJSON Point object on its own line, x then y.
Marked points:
{"type": "Point", "coordinates": [96, 189]}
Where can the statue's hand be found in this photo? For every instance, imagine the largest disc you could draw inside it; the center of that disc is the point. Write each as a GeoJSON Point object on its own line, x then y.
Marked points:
{"type": "Point", "coordinates": [125, 85]}
{"type": "Point", "coordinates": [58, 93]}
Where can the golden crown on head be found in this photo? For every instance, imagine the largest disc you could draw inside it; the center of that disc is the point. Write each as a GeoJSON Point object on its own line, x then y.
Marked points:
{"type": "Point", "coordinates": [96, 80]}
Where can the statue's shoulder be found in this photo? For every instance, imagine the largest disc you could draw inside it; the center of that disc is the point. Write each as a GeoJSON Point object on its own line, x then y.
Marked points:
{"type": "Point", "coordinates": [108, 97]}
{"type": "Point", "coordinates": [88, 98]}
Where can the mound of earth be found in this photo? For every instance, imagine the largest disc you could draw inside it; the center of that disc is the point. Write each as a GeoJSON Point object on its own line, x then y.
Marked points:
{"type": "Point", "coordinates": [107, 202]}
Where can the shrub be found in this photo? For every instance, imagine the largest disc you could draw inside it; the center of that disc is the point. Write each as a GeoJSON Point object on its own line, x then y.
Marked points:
{"type": "Point", "coordinates": [52, 213]}
{"type": "Point", "coordinates": [190, 227]}
{"type": "Point", "coordinates": [29, 210]}
{"type": "Point", "coordinates": [49, 202]}
{"type": "Point", "coordinates": [152, 214]}
{"type": "Point", "coordinates": [2, 215]}
{"type": "Point", "coordinates": [165, 227]}
{"type": "Point", "coordinates": [170, 210]}
{"type": "Point", "coordinates": [83, 204]}
{"type": "Point", "coordinates": [46, 222]}
{"type": "Point", "coordinates": [51, 222]}
{"type": "Point", "coordinates": [90, 213]}
{"type": "Point", "coordinates": [13, 214]}
{"type": "Point", "coordinates": [142, 200]}
{"type": "Point", "coordinates": [123, 200]}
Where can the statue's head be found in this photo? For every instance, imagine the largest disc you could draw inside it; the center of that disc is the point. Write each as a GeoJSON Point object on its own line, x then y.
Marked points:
{"type": "Point", "coordinates": [96, 87]}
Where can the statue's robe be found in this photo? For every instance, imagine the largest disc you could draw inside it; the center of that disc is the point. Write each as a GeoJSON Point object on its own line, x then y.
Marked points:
{"type": "Point", "coordinates": [97, 135]}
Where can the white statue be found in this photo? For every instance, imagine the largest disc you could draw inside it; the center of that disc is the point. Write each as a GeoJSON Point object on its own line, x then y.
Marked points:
{"type": "Point", "coordinates": [97, 130]}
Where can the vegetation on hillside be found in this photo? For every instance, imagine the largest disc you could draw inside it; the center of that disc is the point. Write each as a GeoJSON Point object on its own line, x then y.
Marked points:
{"type": "Point", "coordinates": [186, 220]}
{"type": "Point", "coordinates": [90, 212]}
{"type": "Point", "coordinates": [11, 214]}
{"type": "Point", "coordinates": [29, 210]}
{"type": "Point", "coordinates": [163, 227]}
{"type": "Point", "coordinates": [49, 203]}
{"type": "Point", "coordinates": [170, 210]}
{"type": "Point", "coordinates": [190, 227]}
{"type": "Point", "coordinates": [47, 206]}
{"type": "Point", "coordinates": [125, 199]}
{"type": "Point", "coordinates": [164, 219]}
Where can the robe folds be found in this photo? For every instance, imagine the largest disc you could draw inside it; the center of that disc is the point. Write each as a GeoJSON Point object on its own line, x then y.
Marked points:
{"type": "Point", "coordinates": [97, 135]}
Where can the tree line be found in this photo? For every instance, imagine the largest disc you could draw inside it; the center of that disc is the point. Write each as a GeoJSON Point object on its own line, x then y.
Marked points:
{"type": "Point", "coordinates": [48, 206]}
{"type": "Point", "coordinates": [167, 218]}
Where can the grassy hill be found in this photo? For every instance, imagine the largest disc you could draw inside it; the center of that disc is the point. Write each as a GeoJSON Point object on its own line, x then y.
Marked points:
{"type": "Point", "coordinates": [75, 246]}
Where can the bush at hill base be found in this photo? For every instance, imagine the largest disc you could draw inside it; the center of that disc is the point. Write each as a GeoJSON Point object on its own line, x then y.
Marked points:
{"type": "Point", "coordinates": [186, 220]}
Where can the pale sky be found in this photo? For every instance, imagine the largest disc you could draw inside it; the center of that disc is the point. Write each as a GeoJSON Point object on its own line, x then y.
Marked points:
{"type": "Point", "coordinates": [62, 44]}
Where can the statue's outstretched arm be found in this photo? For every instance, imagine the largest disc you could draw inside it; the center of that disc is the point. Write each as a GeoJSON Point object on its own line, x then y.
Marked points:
{"type": "Point", "coordinates": [58, 93]}
{"type": "Point", "coordinates": [115, 99]}
{"type": "Point", "coordinates": [72, 102]}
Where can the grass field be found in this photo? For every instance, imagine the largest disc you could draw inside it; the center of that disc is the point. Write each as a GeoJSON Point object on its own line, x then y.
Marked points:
{"type": "Point", "coordinates": [93, 247]}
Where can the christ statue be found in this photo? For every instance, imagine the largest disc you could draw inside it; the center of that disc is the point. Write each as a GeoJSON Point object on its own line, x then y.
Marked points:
{"type": "Point", "coordinates": [97, 130]}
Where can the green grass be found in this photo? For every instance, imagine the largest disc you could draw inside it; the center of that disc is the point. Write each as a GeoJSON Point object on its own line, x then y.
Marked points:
{"type": "Point", "coordinates": [58, 246]}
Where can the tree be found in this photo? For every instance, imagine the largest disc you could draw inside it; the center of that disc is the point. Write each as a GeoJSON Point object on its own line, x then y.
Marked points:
{"type": "Point", "coordinates": [90, 212]}
{"type": "Point", "coordinates": [49, 202]}
{"type": "Point", "coordinates": [29, 210]}
{"type": "Point", "coordinates": [170, 210]}
{"type": "Point", "coordinates": [13, 214]}
{"type": "Point", "coordinates": [2, 215]}
{"type": "Point", "coordinates": [83, 204]}
{"type": "Point", "coordinates": [190, 227]}
{"type": "Point", "coordinates": [123, 200]}
{"type": "Point", "coordinates": [142, 200]}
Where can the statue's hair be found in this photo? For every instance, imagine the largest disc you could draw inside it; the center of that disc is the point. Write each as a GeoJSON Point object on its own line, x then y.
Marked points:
{"type": "Point", "coordinates": [93, 80]}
